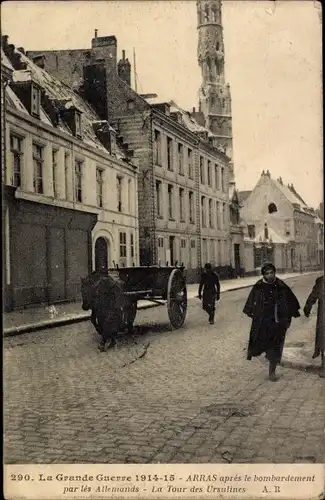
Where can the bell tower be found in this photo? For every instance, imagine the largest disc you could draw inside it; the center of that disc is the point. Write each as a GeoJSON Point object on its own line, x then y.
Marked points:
{"type": "Point", "coordinates": [214, 93]}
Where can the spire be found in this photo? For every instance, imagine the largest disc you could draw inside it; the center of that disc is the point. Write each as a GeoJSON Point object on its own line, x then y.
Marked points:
{"type": "Point", "coordinates": [214, 94]}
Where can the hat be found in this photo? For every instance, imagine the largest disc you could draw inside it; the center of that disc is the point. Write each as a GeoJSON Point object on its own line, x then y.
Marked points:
{"type": "Point", "coordinates": [267, 267]}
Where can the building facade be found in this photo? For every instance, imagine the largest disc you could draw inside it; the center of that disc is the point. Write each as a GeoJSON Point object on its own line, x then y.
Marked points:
{"type": "Point", "coordinates": [183, 184]}
{"type": "Point", "coordinates": [280, 227]}
{"type": "Point", "coordinates": [70, 188]}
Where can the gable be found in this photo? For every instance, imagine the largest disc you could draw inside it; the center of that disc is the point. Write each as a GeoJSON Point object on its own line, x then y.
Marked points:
{"type": "Point", "coordinates": [257, 204]}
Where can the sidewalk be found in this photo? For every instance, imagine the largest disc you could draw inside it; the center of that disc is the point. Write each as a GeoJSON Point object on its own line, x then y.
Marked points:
{"type": "Point", "coordinates": [39, 318]}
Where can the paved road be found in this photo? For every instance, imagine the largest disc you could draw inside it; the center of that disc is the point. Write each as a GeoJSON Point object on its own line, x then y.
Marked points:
{"type": "Point", "coordinates": [192, 398]}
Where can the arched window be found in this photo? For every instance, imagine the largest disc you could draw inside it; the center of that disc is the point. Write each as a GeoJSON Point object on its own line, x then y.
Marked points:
{"type": "Point", "coordinates": [214, 14]}
{"type": "Point", "coordinates": [266, 232]}
{"type": "Point", "coordinates": [272, 208]}
{"type": "Point", "coordinates": [206, 14]}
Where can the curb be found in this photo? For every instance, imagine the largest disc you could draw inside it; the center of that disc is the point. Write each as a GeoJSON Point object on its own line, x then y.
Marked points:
{"type": "Point", "coordinates": [29, 328]}
{"type": "Point", "coordinates": [301, 366]}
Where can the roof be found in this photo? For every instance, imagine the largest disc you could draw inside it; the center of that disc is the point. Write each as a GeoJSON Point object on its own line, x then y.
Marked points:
{"type": "Point", "coordinates": [57, 91]}
{"type": "Point", "coordinates": [5, 61]}
{"type": "Point", "coordinates": [243, 195]}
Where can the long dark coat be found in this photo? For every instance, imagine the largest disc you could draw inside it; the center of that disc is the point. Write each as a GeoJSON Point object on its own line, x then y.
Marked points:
{"type": "Point", "coordinates": [211, 290]}
{"type": "Point", "coordinates": [264, 336]}
{"type": "Point", "coordinates": [317, 294]}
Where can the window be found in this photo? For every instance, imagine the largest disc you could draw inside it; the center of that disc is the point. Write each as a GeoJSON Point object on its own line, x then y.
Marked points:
{"type": "Point", "coordinates": [123, 245]}
{"type": "Point", "coordinates": [66, 173]}
{"type": "Point", "coordinates": [160, 242]}
{"type": "Point", "coordinates": [170, 201]}
{"type": "Point", "coordinates": [222, 179]}
{"type": "Point", "coordinates": [38, 159]}
{"type": "Point", "coordinates": [192, 243]}
{"type": "Point", "coordinates": [181, 204]}
{"type": "Point", "coordinates": [35, 101]}
{"type": "Point", "coordinates": [203, 211]}
{"type": "Point", "coordinates": [132, 245]}
{"type": "Point", "coordinates": [78, 124]}
{"type": "Point", "coordinates": [218, 214]}
{"type": "Point", "coordinates": [158, 147]}
{"type": "Point", "coordinates": [130, 104]}
{"type": "Point", "coordinates": [119, 193]}
{"type": "Point", "coordinates": [266, 231]}
{"type": "Point", "coordinates": [210, 214]}
{"type": "Point", "coordinates": [216, 173]}
{"type": "Point", "coordinates": [130, 197]}
{"type": "Point", "coordinates": [99, 186]}
{"type": "Point", "coordinates": [209, 174]}
{"type": "Point", "coordinates": [224, 215]}
{"type": "Point", "coordinates": [202, 170]}
{"type": "Point", "coordinates": [16, 148]}
{"type": "Point", "coordinates": [55, 172]}
{"type": "Point", "coordinates": [169, 153]}
{"type": "Point", "coordinates": [78, 180]}
{"type": "Point", "coordinates": [158, 199]}
{"type": "Point", "coordinates": [251, 231]}
{"type": "Point", "coordinates": [181, 159]}
{"type": "Point", "coordinates": [190, 163]}
{"type": "Point", "coordinates": [287, 227]}
{"type": "Point", "coordinates": [191, 205]}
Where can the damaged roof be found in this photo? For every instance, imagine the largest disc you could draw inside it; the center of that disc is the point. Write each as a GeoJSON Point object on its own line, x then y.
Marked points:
{"type": "Point", "coordinates": [58, 93]}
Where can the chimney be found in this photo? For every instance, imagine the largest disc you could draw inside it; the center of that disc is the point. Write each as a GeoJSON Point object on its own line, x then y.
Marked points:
{"type": "Point", "coordinates": [96, 33]}
{"type": "Point", "coordinates": [194, 110]}
{"type": "Point", "coordinates": [124, 69]}
{"type": "Point", "coordinates": [95, 88]}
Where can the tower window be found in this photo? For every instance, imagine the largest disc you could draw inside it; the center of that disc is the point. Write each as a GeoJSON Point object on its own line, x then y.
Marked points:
{"type": "Point", "coordinates": [206, 14]}
{"type": "Point", "coordinates": [217, 46]}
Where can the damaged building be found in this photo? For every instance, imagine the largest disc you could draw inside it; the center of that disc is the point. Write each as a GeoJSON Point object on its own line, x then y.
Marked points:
{"type": "Point", "coordinates": [70, 187]}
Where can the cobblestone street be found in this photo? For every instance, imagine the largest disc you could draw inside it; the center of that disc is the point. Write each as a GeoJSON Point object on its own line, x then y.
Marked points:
{"type": "Point", "coordinates": [183, 396]}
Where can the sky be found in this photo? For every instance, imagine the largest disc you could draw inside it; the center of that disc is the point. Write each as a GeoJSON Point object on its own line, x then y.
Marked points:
{"type": "Point", "coordinates": [272, 58]}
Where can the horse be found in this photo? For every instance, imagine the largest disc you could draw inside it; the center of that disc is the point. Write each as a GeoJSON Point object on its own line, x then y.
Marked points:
{"type": "Point", "coordinates": [111, 310]}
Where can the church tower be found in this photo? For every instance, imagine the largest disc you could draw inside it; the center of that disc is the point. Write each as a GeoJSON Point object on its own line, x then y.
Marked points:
{"type": "Point", "coordinates": [214, 94]}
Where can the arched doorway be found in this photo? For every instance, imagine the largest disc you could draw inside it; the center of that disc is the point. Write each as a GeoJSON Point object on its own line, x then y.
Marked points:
{"type": "Point", "coordinates": [101, 255]}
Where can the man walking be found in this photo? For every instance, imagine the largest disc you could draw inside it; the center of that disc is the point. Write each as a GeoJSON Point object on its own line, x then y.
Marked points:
{"type": "Point", "coordinates": [271, 304]}
{"type": "Point", "coordinates": [317, 294]}
{"type": "Point", "coordinates": [211, 291]}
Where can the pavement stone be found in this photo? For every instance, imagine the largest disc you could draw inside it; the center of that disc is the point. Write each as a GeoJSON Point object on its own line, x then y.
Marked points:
{"type": "Point", "coordinates": [193, 398]}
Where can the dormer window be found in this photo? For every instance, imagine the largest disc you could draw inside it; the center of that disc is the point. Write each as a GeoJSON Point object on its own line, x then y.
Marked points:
{"type": "Point", "coordinates": [78, 124]}
{"type": "Point", "coordinates": [35, 100]}
{"type": "Point", "coordinates": [130, 104]}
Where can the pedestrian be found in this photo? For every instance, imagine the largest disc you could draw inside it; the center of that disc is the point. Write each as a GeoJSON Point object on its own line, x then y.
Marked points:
{"type": "Point", "coordinates": [317, 294]}
{"type": "Point", "coordinates": [271, 304]}
{"type": "Point", "coordinates": [211, 291]}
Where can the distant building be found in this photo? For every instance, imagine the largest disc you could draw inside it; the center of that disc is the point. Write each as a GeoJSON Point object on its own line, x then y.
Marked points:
{"type": "Point", "coordinates": [183, 186]}
{"type": "Point", "coordinates": [280, 227]}
{"type": "Point", "coordinates": [70, 187]}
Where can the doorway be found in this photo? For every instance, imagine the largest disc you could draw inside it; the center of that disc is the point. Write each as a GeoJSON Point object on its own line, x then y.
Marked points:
{"type": "Point", "coordinates": [172, 250]}
{"type": "Point", "coordinates": [237, 258]}
{"type": "Point", "coordinates": [101, 255]}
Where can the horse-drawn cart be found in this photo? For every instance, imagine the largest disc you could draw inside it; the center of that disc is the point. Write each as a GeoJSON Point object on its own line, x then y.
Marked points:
{"type": "Point", "coordinates": [155, 284]}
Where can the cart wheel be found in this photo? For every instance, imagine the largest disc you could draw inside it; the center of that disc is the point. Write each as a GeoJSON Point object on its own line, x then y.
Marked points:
{"type": "Point", "coordinates": [176, 298]}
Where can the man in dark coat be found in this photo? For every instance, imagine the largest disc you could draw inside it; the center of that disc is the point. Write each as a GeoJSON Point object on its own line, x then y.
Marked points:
{"type": "Point", "coordinates": [317, 294]}
{"type": "Point", "coordinates": [211, 291]}
{"type": "Point", "coordinates": [271, 304]}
